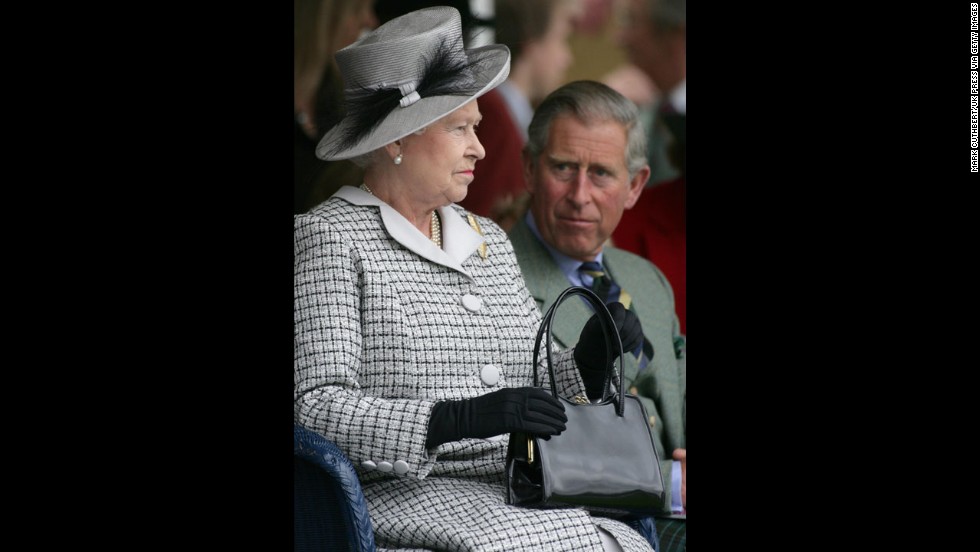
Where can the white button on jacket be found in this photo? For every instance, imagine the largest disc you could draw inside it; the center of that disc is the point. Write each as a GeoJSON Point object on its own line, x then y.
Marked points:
{"type": "Point", "coordinates": [472, 303]}
{"type": "Point", "coordinates": [490, 375]}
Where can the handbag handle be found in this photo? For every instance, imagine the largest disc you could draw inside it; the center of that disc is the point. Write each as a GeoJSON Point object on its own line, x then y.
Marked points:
{"type": "Point", "coordinates": [609, 332]}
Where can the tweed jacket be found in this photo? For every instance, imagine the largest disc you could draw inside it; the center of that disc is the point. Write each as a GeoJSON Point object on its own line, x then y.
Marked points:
{"type": "Point", "coordinates": [662, 384]}
{"type": "Point", "coordinates": [385, 325]}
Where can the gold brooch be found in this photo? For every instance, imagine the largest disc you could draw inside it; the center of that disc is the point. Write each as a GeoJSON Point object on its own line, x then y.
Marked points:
{"type": "Point", "coordinates": [475, 226]}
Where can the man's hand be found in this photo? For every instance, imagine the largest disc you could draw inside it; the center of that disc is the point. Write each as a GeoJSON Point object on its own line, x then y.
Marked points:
{"type": "Point", "coordinates": [681, 456]}
{"type": "Point", "coordinates": [590, 352]}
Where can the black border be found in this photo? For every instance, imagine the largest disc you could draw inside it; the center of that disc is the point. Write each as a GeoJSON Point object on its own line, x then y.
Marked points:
{"type": "Point", "coordinates": [825, 163]}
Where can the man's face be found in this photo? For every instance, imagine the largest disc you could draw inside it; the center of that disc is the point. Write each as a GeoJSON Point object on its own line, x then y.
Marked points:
{"type": "Point", "coordinates": [580, 185]}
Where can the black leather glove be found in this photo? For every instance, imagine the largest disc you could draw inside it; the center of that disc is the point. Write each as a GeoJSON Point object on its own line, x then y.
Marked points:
{"type": "Point", "coordinates": [529, 409]}
{"type": "Point", "coordinates": [590, 352]}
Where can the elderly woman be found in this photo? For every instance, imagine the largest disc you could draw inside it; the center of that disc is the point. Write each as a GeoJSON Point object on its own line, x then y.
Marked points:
{"type": "Point", "coordinates": [414, 329]}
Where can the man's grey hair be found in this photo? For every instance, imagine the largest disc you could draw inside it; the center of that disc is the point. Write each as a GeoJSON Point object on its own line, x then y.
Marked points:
{"type": "Point", "coordinates": [589, 102]}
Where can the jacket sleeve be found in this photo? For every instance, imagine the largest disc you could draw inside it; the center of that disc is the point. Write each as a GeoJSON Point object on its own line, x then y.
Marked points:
{"type": "Point", "coordinates": [327, 358]}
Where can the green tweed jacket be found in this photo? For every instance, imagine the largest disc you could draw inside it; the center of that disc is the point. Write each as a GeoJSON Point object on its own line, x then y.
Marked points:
{"type": "Point", "coordinates": [662, 385]}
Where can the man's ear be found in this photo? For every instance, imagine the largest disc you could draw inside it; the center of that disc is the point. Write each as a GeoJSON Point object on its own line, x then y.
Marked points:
{"type": "Point", "coordinates": [636, 186]}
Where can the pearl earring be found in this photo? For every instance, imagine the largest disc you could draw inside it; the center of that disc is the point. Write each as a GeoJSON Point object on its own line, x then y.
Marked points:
{"type": "Point", "coordinates": [398, 159]}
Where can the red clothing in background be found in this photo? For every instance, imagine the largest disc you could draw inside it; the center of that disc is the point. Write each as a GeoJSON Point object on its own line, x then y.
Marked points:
{"type": "Point", "coordinates": [656, 229]}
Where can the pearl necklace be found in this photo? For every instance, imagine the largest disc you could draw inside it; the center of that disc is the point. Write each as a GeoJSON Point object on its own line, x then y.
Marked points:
{"type": "Point", "coordinates": [435, 227]}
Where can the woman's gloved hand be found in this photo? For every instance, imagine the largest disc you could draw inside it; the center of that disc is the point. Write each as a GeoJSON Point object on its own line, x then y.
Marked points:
{"type": "Point", "coordinates": [529, 409]}
{"type": "Point", "coordinates": [590, 351]}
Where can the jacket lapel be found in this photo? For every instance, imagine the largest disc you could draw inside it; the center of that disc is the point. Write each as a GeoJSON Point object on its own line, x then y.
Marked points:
{"type": "Point", "coordinates": [631, 276]}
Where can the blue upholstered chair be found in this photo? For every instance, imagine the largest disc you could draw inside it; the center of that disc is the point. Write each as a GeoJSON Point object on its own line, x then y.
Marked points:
{"type": "Point", "coordinates": [329, 510]}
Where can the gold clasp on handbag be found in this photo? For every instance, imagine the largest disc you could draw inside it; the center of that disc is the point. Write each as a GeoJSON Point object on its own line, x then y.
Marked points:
{"type": "Point", "coordinates": [579, 399]}
{"type": "Point", "coordinates": [530, 450]}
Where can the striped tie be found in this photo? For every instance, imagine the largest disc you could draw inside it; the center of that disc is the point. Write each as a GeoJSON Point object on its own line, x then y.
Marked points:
{"type": "Point", "coordinates": [603, 286]}
{"type": "Point", "coordinates": [610, 292]}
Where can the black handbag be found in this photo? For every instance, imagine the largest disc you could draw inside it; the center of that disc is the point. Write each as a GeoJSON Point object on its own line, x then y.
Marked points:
{"type": "Point", "coordinates": [605, 461]}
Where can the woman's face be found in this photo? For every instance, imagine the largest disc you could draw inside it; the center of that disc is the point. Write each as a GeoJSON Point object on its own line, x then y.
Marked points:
{"type": "Point", "coordinates": [438, 164]}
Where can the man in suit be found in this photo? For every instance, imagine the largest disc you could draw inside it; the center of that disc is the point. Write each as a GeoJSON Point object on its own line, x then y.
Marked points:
{"type": "Point", "coordinates": [585, 162]}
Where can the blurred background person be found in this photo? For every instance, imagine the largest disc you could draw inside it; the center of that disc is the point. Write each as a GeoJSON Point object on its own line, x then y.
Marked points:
{"type": "Point", "coordinates": [320, 28]}
{"type": "Point", "coordinates": [599, 55]}
{"type": "Point", "coordinates": [654, 34]}
{"type": "Point", "coordinates": [537, 34]}
{"type": "Point", "coordinates": [636, 86]}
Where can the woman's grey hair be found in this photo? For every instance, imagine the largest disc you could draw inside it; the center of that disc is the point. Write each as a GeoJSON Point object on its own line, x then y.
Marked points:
{"type": "Point", "coordinates": [370, 158]}
{"type": "Point", "coordinates": [590, 102]}
{"type": "Point", "coordinates": [367, 159]}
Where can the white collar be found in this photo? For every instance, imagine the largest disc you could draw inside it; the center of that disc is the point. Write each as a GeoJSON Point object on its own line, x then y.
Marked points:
{"type": "Point", "coordinates": [458, 239]}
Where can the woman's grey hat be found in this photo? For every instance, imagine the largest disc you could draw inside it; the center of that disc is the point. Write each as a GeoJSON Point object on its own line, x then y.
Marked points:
{"type": "Point", "coordinates": [406, 74]}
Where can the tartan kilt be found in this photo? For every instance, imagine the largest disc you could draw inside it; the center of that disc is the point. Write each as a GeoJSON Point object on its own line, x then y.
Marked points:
{"type": "Point", "coordinates": [673, 534]}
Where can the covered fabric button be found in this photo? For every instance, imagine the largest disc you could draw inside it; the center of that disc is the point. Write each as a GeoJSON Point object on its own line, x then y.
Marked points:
{"type": "Point", "coordinates": [472, 303]}
{"type": "Point", "coordinates": [490, 375]}
{"type": "Point", "coordinates": [384, 466]}
{"type": "Point", "coordinates": [368, 465]}
{"type": "Point", "coordinates": [401, 467]}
